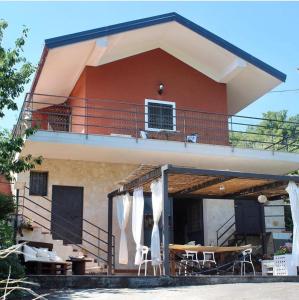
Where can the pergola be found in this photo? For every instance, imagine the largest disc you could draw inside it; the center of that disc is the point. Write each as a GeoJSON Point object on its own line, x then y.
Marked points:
{"type": "Point", "coordinates": [199, 183]}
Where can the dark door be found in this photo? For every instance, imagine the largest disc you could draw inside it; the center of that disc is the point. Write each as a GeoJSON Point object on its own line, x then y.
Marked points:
{"type": "Point", "coordinates": [188, 221]}
{"type": "Point", "coordinates": [67, 213]}
{"type": "Point", "coordinates": [248, 217]}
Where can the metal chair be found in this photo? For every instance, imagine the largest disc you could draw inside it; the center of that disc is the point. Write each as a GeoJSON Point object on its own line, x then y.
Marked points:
{"type": "Point", "coordinates": [244, 259]}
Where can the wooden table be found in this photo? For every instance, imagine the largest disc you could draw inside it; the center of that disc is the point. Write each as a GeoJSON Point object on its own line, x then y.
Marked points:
{"type": "Point", "coordinates": [78, 265]}
{"type": "Point", "coordinates": [177, 249]}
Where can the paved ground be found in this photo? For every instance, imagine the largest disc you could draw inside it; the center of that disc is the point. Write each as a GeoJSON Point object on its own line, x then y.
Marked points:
{"type": "Point", "coordinates": [246, 291]}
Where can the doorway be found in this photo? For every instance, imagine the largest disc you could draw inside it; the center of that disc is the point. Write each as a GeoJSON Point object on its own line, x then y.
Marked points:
{"type": "Point", "coordinates": [67, 213]}
{"type": "Point", "coordinates": [188, 221]}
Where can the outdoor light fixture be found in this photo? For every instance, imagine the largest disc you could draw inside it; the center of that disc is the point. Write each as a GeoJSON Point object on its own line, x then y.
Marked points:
{"type": "Point", "coordinates": [262, 199]}
{"type": "Point", "coordinates": [222, 188]}
{"type": "Point", "coordinates": [161, 88]}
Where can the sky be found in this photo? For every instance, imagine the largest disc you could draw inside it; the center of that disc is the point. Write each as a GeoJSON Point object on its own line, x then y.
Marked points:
{"type": "Point", "coordinates": [267, 30]}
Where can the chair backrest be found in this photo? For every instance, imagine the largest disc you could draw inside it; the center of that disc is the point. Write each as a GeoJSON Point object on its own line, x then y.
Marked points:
{"type": "Point", "coordinates": [144, 252]}
{"type": "Point", "coordinates": [191, 254]}
{"type": "Point", "coordinates": [247, 254]}
{"type": "Point", "coordinates": [208, 256]}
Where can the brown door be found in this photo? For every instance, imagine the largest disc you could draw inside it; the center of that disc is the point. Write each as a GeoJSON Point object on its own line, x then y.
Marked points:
{"type": "Point", "coordinates": [67, 213]}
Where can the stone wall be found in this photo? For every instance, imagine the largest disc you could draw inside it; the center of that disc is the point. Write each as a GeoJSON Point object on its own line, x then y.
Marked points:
{"type": "Point", "coordinates": [98, 179]}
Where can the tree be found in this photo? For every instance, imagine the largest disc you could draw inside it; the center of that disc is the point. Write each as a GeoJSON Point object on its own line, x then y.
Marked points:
{"type": "Point", "coordinates": [15, 72]}
{"type": "Point", "coordinates": [276, 131]}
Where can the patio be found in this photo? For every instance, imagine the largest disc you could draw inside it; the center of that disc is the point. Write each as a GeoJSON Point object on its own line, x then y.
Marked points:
{"type": "Point", "coordinates": [196, 183]}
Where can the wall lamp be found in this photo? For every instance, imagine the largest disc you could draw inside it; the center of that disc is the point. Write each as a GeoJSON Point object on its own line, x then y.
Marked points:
{"type": "Point", "coordinates": [161, 88]}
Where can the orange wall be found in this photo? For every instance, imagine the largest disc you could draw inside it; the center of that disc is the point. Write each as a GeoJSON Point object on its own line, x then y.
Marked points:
{"type": "Point", "coordinates": [137, 78]}
{"type": "Point", "coordinates": [4, 186]}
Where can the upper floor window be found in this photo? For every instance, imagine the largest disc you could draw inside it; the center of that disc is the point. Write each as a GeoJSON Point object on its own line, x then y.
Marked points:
{"type": "Point", "coordinates": [160, 115]}
{"type": "Point", "coordinates": [38, 183]}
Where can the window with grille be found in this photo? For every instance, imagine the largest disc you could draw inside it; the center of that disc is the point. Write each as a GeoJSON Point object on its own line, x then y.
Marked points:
{"type": "Point", "coordinates": [38, 183]}
{"type": "Point", "coordinates": [160, 115]}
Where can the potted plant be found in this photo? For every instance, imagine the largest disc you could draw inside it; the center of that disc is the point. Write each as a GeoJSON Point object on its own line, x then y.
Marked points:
{"type": "Point", "coordinates": [283, 265]}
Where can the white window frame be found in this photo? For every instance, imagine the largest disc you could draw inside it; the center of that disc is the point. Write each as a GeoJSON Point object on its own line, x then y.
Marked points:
{"type": "Point", "coordinates": [147, 101]}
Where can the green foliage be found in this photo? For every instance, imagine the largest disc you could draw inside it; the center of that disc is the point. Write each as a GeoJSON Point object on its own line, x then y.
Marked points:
{"type": "Point", "coordinates": [15, 72]}
{"type": "Point", "coordinates": [7, 206]}
{"type": "Point", "coordinates": [276, 132]}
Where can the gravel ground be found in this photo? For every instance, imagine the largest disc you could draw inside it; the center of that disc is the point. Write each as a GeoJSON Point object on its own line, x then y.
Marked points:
{"type": "Point", "coordinates": [245, 291]}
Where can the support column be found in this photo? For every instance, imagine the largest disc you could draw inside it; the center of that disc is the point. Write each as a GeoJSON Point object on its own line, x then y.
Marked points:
{"type": "Point", "coordinates": [16, 216]}
{"type": "Point", "coordinates": [264, 242]}
{"type": "Point", "coordinates": [165, 220]}
{"type": "Point", "coordinates": [110, 233]}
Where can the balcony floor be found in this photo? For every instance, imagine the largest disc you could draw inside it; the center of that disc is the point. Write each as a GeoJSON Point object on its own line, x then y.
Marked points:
{"type": "Point", "coordinates": [119, 149]}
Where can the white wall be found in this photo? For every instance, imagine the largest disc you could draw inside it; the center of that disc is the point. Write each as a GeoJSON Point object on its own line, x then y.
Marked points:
{"type": "Point", "coordinates": [215, 213]}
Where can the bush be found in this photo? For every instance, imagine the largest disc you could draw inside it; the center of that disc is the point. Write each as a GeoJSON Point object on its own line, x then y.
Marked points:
{"type": "Point", "coordinates": [7, 206]}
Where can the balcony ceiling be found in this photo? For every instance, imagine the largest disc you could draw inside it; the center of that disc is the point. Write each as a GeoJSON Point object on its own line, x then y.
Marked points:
{"type": "Point", "coordinates": [247, 78]}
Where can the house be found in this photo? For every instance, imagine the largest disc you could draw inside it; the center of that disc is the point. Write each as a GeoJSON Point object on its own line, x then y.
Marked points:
{"type": "Point", "coordinates": [115, 103]}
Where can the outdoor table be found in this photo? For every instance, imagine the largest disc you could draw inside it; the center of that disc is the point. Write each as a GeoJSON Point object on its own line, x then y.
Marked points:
{"type": "Point", "coordinates": [221, 250]}
{"type": "Point", "coordinates": [78, 265]}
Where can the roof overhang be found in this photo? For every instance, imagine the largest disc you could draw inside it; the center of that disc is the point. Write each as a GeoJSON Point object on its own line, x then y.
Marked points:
{"type": "Point", "coordinates": [247, 77]}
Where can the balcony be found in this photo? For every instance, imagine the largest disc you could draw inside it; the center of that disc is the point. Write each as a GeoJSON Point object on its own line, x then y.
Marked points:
{"type": "Point", "coordinates": [154, 121]}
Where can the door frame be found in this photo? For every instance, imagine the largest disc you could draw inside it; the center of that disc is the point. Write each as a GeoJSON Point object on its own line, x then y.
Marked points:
{"type": "Point", "coordinates": [81, 210]}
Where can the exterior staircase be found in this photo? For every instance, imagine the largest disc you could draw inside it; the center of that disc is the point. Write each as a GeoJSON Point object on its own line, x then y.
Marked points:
{"type": "Point", "coordinates": [38, 234]}
{"type": "Point", "coordinates": [94, 246]}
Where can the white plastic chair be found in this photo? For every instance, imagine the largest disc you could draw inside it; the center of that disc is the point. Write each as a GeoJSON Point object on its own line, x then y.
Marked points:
{"type": "Point", "coordinates": [208, 257]}
{"type": "Point", "coordinates": [189, 256]}
{"type": "Point", "coordinates": [245, 259]}
{"type": "Point", "coordinates": [144, 260]}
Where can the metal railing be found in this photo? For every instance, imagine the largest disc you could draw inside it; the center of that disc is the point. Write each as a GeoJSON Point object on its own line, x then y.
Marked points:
{"type": "Point", "coordinates": [225, 232]}
{"type": "Point", "coordinates": [94, 238]}
{"type": "Point", "coordinates": [110, 117]}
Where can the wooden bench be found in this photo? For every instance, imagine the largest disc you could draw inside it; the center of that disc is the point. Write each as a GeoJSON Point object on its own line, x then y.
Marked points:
{"type": "Point", "coordinates": [40, 267]}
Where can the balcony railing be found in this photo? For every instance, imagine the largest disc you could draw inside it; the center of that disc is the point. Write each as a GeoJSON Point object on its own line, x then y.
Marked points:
{"type": "Point", "coordinates": [107, 117]}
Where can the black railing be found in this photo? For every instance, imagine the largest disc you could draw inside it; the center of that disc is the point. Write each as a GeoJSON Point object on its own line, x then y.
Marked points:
{"type": "Point", "coordinates": [107, 117]}
{"type": "Point", "coordinates": [94, 243]}
{"type": "Point", "coordinates": [224, 232]}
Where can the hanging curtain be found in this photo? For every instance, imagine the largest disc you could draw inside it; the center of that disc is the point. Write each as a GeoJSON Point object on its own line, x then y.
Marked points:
{"type": "Point", "coordinates": [293, 191]}
{"type": "Point", "coordinates": [137, 221]}
{"type": "Point", "coordinates": [123, 209]}
{"type": "Point", "coordinates": [157, 204]}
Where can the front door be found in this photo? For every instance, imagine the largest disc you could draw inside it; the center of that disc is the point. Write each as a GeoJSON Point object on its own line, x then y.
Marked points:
{"type": "Point", "coordinates": [67, 213]}
{"type": "Point", "coordinates": [248, 217]}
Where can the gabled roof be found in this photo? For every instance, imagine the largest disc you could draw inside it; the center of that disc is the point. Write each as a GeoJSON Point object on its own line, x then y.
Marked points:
{"type": "Point", "coordinates": [246, 77]}
{"type": "Point", "coordinates": [160, 19]}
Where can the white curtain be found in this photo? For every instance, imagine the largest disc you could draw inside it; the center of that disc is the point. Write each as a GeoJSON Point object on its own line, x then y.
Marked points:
{"type": "Point", "coordinates": [137, 221]}
{"type": "Point", "coordinates": [123, 203]}
{"type": "Point", "coordinates": [157, 204]}
{"type": "Point", "coordinates": [293, 191]}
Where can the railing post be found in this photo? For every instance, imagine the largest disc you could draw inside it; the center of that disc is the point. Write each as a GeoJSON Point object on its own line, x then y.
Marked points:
{"type": "Point", "coordinates": [99, 236]}
{"type": "Point", "coordinates": [110, 237]}
{"type": "Point", "coordinates": [16, 216]}
{"type": "Point", "coordinates": [165, 220]}
{"type": "Point", "coordinates": [136, 125]}
{"type": "Point", "coordinates": [184, 122]}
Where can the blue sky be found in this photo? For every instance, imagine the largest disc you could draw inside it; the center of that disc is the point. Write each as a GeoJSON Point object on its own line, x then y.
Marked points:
{"type": "Point", "coordinates": [267, 30]}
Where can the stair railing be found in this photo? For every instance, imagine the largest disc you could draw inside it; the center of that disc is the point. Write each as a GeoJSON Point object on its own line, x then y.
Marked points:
{"type": "Point", "coordinates": [223, 229]}
{"type": "Point", "coordinates": [100, 231]}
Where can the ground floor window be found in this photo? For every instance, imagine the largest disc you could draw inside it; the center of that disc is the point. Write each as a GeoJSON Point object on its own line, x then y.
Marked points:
{"type": "Point", "coordinates": [38, 183]}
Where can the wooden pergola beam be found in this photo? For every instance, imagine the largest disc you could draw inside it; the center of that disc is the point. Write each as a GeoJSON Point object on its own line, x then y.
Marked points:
{"type": "Point", "coordinates": [221, 173]}
{"type": "Point", "coordinates": [256, 189]}
{"type": "Point", "coordinates": [200, 186]}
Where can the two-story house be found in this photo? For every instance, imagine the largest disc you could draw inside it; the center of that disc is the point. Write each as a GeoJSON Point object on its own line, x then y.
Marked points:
{"type": "Point", "coordinates": [131, 96]}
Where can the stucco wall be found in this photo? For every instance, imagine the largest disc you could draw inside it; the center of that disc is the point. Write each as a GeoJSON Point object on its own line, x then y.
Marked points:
{"type": "Point", "coordinates": [98, 179]}
{"type": "Point", "coordinates": [215, 213]}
